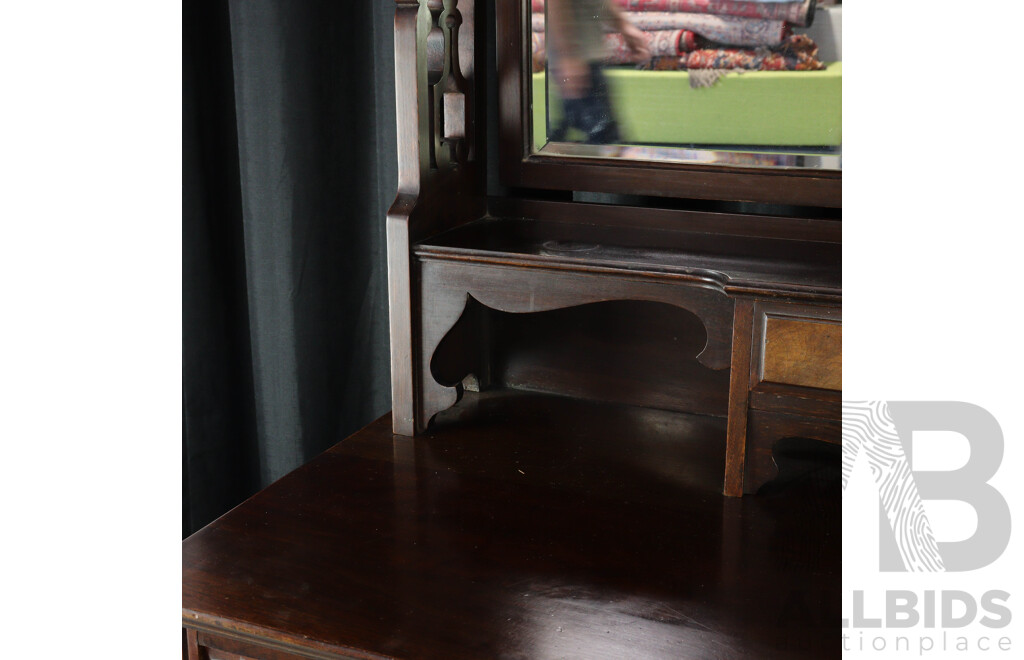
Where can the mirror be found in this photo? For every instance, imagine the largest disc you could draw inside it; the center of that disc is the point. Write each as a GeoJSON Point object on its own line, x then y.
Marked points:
{"type": "Point", "coordinates": [755, 83]}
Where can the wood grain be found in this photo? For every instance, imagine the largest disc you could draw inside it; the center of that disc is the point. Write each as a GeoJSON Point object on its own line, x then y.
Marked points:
{"type": "Point", "coordinates": [739, 393]}
{"type": "Point", "coordinates": [806, 353]}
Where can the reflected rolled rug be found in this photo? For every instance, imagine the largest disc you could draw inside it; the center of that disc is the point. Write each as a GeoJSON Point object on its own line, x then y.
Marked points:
{"type": "Point", "coordinates": [796, 12]}
{"type": "Point", "coordinates": [797, 53]}
{"type": "Point", "coordinates": [731, 30]}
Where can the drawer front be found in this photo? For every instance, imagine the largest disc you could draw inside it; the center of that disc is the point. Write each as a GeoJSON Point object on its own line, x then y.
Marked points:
{"type": "Point", "coordinates": [803, 353]}
{"type": "Point", "coordinates": [210, 646]}
{"type": "Point", "coordinates": [801, 346]}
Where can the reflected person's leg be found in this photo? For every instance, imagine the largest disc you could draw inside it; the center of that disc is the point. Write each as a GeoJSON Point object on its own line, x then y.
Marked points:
{"type": "Point", "coordinates": [592, 113]}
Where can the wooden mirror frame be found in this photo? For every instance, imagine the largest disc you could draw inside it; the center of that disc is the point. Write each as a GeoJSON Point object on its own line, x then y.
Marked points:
{"type": "Point", "coordinates": [519, 167]}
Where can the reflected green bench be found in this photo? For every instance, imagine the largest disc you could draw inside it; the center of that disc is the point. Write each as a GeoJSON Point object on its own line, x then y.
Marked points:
{"type": "Point", "coordinates": [757, 108]}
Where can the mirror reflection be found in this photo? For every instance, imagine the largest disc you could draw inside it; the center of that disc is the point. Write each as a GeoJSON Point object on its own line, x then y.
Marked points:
{"type": "Point", "coordinates": [753, 83]}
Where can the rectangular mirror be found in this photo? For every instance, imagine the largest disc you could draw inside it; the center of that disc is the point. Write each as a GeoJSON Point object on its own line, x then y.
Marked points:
{"type": "Point", "coordinates": [752, 84]}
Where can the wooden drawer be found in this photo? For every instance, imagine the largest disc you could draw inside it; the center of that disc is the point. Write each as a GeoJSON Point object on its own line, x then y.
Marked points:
{"type": "Point", "coordinates": [208, 646]}
{"type": "Point", "coordinates": [798, 345]}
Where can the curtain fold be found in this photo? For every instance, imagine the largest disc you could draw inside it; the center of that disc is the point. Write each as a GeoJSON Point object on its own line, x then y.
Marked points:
{"type": "Point", "coordinates": [289, 158]}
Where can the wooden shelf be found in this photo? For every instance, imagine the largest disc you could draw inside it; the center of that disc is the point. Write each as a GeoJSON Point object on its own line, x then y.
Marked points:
{"type": "Point", "coordinates": [806, 270]}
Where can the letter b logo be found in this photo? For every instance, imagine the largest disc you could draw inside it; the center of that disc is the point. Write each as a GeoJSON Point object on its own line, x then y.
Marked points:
{"type": "Point", "coordinates": [883, 431]}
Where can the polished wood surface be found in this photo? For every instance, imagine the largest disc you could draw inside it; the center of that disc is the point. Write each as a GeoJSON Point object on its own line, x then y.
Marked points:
{"type": "Point", "coordinates": [807, 358]}
{"type": "Point", "coordinates": [525, 526]}
{"type": "Point", "coordinates": [440, 160]}
{"type": "Point", "coordinates": [450, 285]}
{"type": "Point", "coordinates": [816, 225]}
{"type": "Point", "coordinates": [632, 352]}
{"type": "Point", "coordinates": [734, 284]}
{"type": "Point", "coordinates": [806, 353]}
{"type": "Point", "coordinates": [739, 398]}
{"type": "Point", "coordinates": [735, 264]}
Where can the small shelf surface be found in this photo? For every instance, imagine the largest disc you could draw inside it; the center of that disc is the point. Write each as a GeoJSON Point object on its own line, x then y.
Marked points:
{"type": "Point", "coordinates": [530, 526]}
{"type": "Point", "coordinates": [735, 262]}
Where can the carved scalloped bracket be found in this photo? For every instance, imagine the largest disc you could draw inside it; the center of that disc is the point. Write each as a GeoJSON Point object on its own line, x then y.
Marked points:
{"type": "Point", "coordinates": [445, 309]}
{"type": "Point", "coordinates": [454, 285]}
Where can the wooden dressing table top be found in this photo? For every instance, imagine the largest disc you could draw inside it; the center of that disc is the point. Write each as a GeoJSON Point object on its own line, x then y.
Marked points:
{"type": "Point", "coordinates": [527, 526]}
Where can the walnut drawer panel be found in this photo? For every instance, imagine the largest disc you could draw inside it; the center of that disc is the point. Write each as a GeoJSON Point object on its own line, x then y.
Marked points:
{"type": "Point", "coordinates": [801, 346]}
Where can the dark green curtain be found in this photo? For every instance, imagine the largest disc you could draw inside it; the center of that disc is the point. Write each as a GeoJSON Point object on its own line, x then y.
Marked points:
{"type": "Point", "coordinates": [288, 170]}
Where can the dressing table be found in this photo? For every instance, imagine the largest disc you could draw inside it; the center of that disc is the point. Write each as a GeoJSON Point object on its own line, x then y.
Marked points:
{"type": "Point", "coordinates": [596, 351]}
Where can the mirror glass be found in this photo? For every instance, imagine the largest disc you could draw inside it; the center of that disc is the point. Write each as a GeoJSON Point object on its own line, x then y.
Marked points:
{"type": "Point", "coordinates": [752, 83]}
